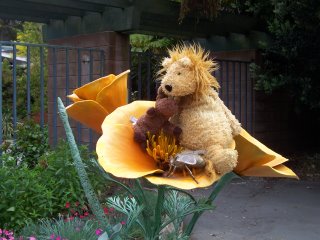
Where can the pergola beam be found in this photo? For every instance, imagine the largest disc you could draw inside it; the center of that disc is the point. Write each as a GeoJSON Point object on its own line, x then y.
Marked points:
{"type": "Point", "coordinates": [69, 4]}
{"type": "Point", "coordinates": [40, 8]}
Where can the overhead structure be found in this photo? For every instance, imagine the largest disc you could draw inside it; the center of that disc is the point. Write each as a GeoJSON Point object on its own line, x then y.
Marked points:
{"type": "Point", "coordinates": [158, 17]}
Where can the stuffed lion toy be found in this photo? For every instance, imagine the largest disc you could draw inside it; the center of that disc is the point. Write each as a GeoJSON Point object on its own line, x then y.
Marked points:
{"type": "Point", "coordinates": [206, 123]}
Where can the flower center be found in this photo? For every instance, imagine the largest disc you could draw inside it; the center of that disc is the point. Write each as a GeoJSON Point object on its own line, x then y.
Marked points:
{"type": "Point", "coordinates": [161, 148]}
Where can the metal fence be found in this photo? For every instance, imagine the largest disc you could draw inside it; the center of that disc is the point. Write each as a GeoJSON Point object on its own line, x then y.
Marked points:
{"type": "Point", "coordinates": [32, 76]}
{"type": "Point", "coordinates": [234, 78]}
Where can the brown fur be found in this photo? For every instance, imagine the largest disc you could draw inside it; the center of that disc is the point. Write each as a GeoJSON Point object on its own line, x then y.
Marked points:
{"type": "Point", "coordinates": [206, 123]}
{"type": "Point", "coordinates": [156, 119]}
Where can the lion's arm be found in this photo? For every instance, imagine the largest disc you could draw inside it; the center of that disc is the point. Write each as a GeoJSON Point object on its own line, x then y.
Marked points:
{"type": "Point", "coordinates": [234, 123]}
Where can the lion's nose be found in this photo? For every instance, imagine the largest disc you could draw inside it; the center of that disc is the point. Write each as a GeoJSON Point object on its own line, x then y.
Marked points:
{"type": "Point", "coordinates": [168, 87]}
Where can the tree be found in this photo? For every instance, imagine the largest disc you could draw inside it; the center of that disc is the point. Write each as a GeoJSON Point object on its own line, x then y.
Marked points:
{"type": "Point", "coordinates": [292, 61]}
{"type": "Point", "coordinates": [8, 29]}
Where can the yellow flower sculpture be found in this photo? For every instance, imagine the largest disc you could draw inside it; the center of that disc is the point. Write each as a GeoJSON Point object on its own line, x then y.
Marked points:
{"type": "Point", "coordinates": [121, 156]}
{"type": "Point", "coordinates": [95, 100]}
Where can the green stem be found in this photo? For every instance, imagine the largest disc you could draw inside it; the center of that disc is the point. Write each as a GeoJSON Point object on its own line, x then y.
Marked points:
{"type": "Point", "coordinates": [84, 179]}
{"type": "Point", "coordinates": [108, 178]}
{"type": "Point", "coordinates": [142, 199]}
{"type": "Point", "coordinates": [158, 211]}
{"type": "Point", "coordinates": [225, 179]}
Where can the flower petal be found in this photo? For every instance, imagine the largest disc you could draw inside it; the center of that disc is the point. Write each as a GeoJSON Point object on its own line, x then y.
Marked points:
{"type": "Point", "coordinates": [123, 114]}
{"type": "Point", "coordinates": [255, 159]}
{"type": "Point", "coordinates": [119, 155]}
{"type": "Point", "coordinates": [267, 171]}
{"type": "Point", "coordinates": [90, 90]}
{"type": "Point", "coordinates": [115, 94]}
{"type": "Point", "coordinates": [89, 113]}
{"type": "Point", "coordinates": [74, 98]}
{"type": "Point", "coordinates": [178, 180]}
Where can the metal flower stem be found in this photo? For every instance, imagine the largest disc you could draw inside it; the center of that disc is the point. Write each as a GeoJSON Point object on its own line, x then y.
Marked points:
{"type": "Point", "coordinates": [225, 179]}
{"type": "Point", "coordinates": [84, 179]}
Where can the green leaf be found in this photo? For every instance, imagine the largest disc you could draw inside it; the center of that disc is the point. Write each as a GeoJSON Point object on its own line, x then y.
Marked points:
{"type": "Point", "coordinates": [11, 209]}
{"type": "Point", "coordinates": [104, 236]}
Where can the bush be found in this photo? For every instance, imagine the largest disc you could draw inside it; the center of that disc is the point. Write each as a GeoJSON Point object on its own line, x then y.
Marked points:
{"type": "Point", "coordinates": [60, 229]}
{"type": "Point", "coordinates": [42, 192]}
{"type": "Point", "coordinates": [31, 143]}
{"type": "Point", "coordinates": [24, 197]}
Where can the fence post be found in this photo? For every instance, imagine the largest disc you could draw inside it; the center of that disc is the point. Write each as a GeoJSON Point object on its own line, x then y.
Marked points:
{"type": "Point", "coordinates": [0, 102]}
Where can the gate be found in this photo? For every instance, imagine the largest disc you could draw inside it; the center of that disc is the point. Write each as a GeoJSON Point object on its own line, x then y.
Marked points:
{"type": "Point", "coordinates": [32, 76]}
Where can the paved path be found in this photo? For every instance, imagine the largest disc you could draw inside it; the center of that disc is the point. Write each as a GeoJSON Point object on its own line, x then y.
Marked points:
{"type": "Point", "coordinates": [258, 209]}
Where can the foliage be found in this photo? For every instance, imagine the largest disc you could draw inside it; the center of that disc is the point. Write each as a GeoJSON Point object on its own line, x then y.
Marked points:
{"type": "Point", "coordinates": [24, 197]}
{"type": "Point", "coordinates": [146, 53]}
{"type": "Point", "coordinates": [44, 190]}
{"type": "Point", "coordinates": [8, 29]}
{"type": "Point", "coordinates": [7, 126]}
{"type": "Point", "coordinates": [60, 229]}
{"type": "Point", "coordinates": [292, 61]}
{"type": "Point", "coordinates": [30, 144]}
{"type": "Point", "coordinates": [142, 43]}
{"type": "Point", "coordinates": [30, 33]}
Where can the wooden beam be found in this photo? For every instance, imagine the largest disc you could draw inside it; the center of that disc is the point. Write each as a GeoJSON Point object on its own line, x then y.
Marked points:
{"type": "Point", "coordinates": [23, 17]}
{"type": "Point", "coordinates": [17, 12]}
{"type": "Point", "coordinates": [112, 3]}
{"type": "Point", "coordinates": [22, 6]}
{"type": "Point", "coordinates": [70, 4]}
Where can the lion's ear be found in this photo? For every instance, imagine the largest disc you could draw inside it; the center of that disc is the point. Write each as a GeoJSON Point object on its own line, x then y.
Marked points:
{"type": "Point", "coordinates": [166, 62]}
{"type": "Point", "coordinates": [186, 62]}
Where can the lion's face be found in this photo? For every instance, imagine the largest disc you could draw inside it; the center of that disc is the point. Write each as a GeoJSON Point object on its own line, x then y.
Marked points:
{"type": "Point", "coordinates": [179, 78]}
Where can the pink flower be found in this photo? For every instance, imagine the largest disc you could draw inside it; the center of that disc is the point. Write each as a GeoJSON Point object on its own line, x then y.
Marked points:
{"type": "Point", "coordinates": [52, 236]}
{"type": "Point", "coordinates": [0, 231]}
{"type": "Point", "coordinates": [81, 216]}
{"type": "Point", "coordinates": [105, 210]}
{"type": "Point", "coordinates": [32, 238]}
{"type": "Point", "coordinates": [85, 213]}
{"type": "Point", "coordinates": [58, 238]}
{"type": "Point", "coordinates": [123, 222]}
{"type": "Point", "coordinates": [77, 204]}
{"type": "Point", "coordinates": [67, 205]}
{"type": "Point", "coordinates": [99, 231]}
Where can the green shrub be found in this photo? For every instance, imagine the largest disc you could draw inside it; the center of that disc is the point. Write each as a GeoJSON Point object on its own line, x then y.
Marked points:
{"type": "Point", "coordinates": [24, 197]}
{"type": "Point", "coordinates": [42, 192]}
{"type": "Point", "coordinates": [60, 229]}
{"type": "Point", "coordinates": [31, 143]}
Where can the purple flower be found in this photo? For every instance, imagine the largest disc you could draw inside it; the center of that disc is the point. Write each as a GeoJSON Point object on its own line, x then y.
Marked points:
{"type": "Point", "coordinates": [99, 231]}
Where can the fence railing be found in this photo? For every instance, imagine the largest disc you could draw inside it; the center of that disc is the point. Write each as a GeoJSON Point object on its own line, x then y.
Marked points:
{"type": "Point", "coordinates": [32, 76]}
